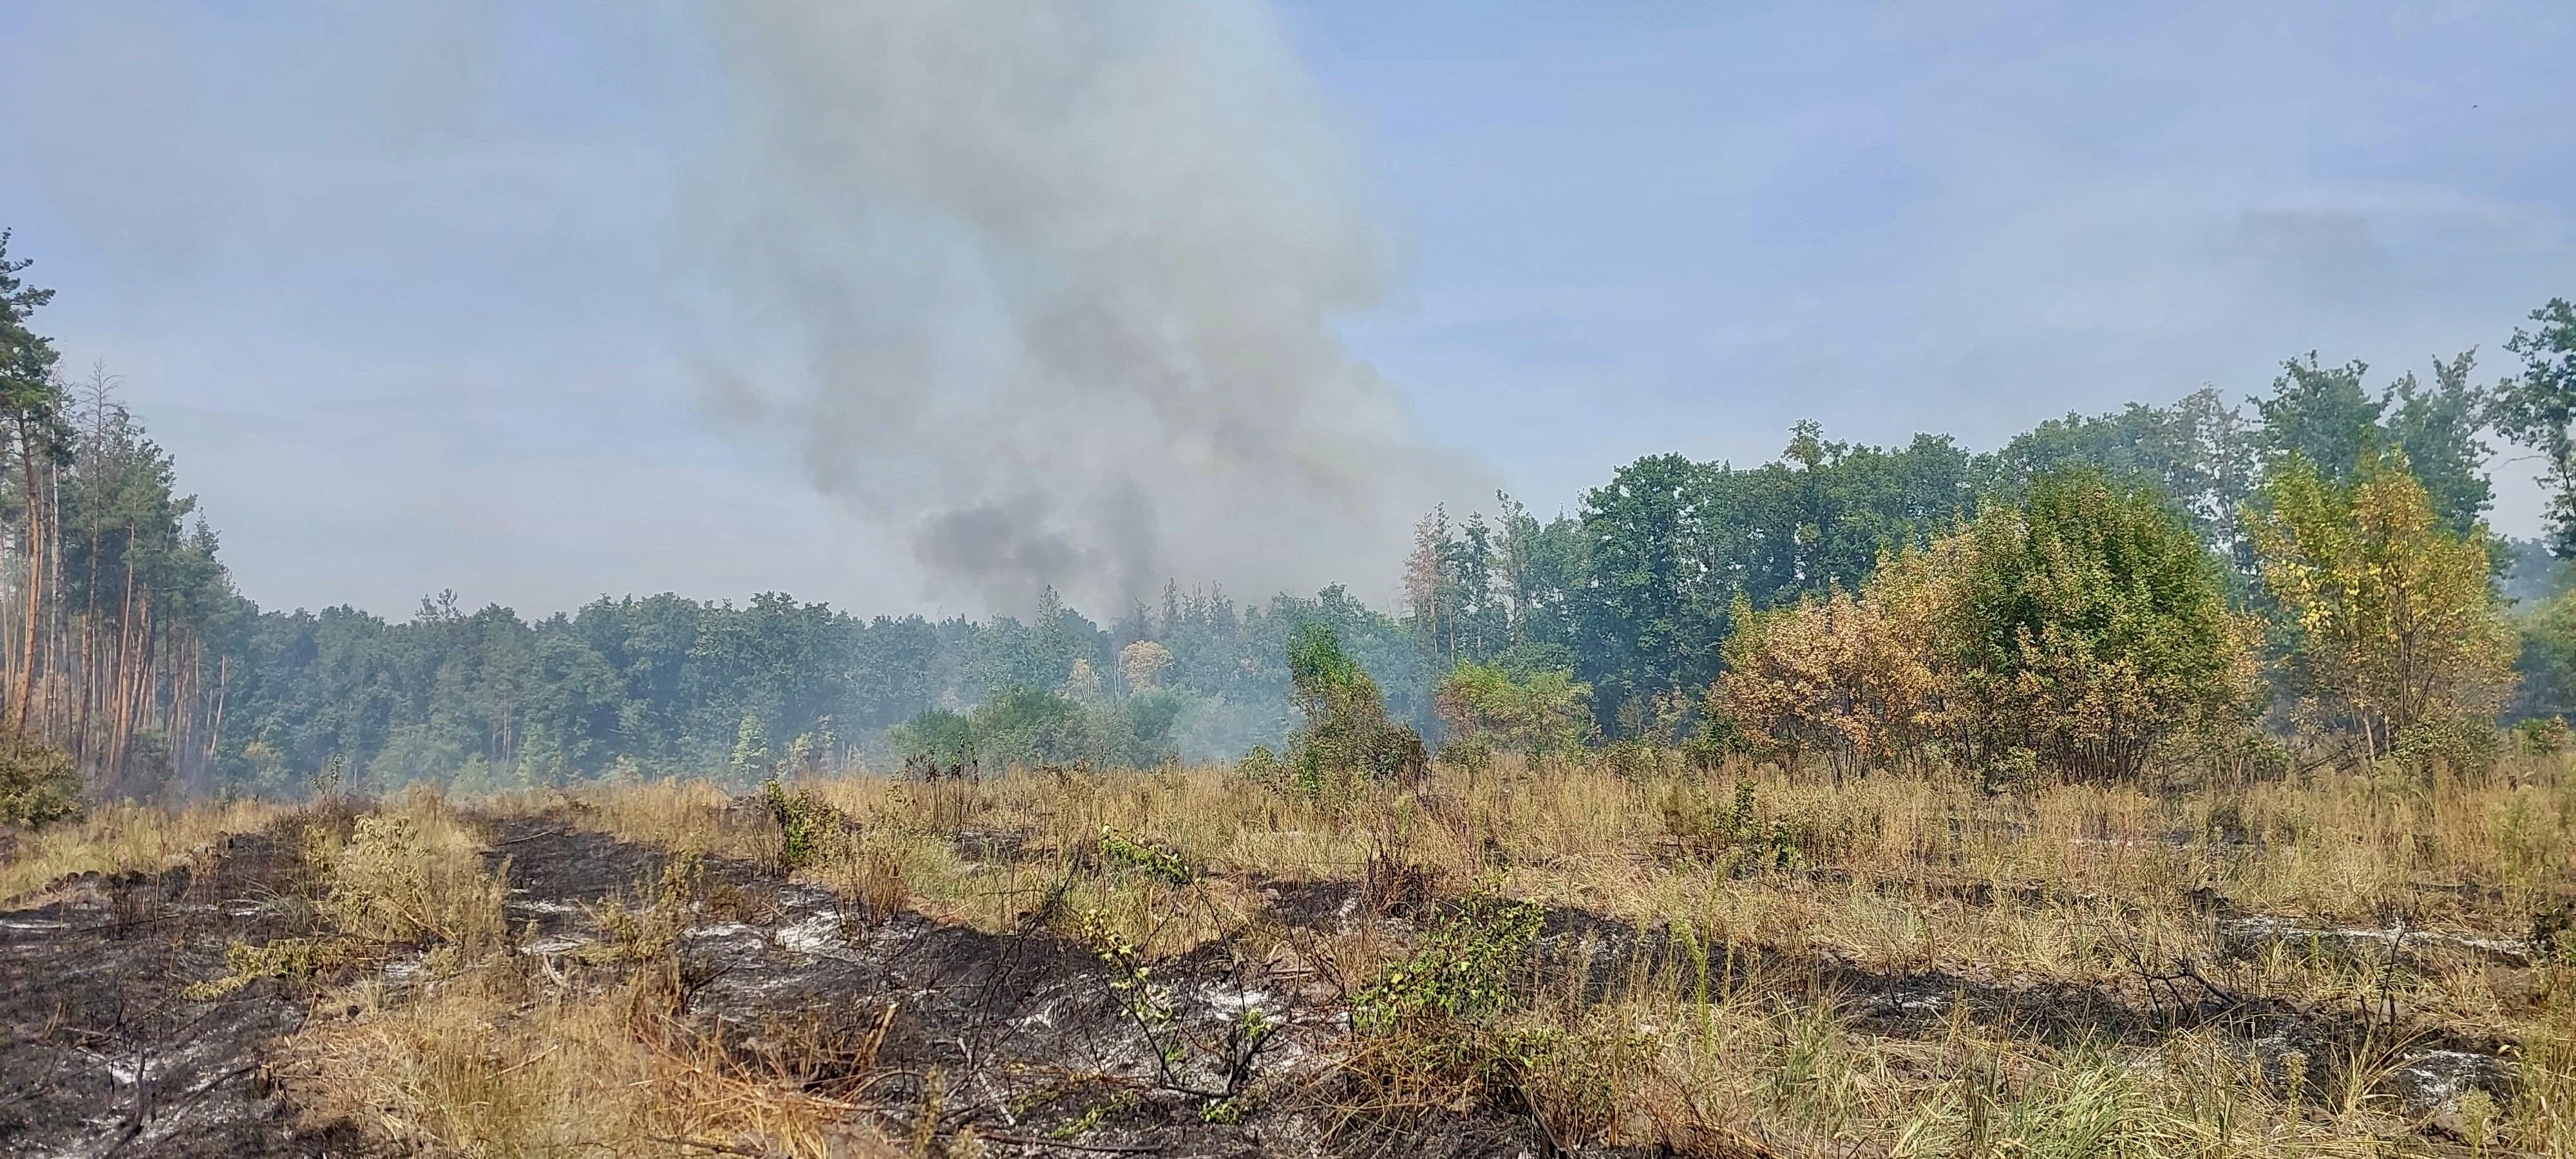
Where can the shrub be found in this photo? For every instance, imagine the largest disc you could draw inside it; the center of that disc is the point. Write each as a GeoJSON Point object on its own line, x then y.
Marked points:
{"type": "Point", "coordinates": [807, 824]}
{"type": "Point", "coordinates": [415, 876]}
{"type": "Point", "coordinates": [935, 740]}
{"type": "Point", "coordinates": [2080, 632]}
{"type": "Point", "coordinates": [2089, 626]}
{"type": "Point", "coordinates": [1031, 726]}
{"type": "Point", "coordinates": [1850, 678]}
{"type": "Point", "coordinates": [1347, 733]}
{"type": "Point", "coordinates": [1260, 766]}
{"type": "Point", "coordinates": [38, 783]}
{"type": "Point", "coordinates": [1486, 707]}
{"type": "Point", "coordinates": [2542, 736]}
{"type": "Point", "coordinates": [1431, 1027]}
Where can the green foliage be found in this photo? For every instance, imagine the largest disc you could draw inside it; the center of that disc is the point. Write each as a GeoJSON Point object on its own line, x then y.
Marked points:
{"type": "Point", "coordinates": [1431, 1026]}
{"type": "Point", "coordinates": [1671, 547]}
{"type": "Point", "coordinates": [2080, 630]}
{"type": "Point", "coordinates": [1034, 727]}
{"type": "Point", "coordinates": [1347, 733]}
{"type": "Point", "coordinates": [31, 398]}
{"type": "Point", "coordinates": [2537, 409]}
{"type": "Point", "coordinates": [1260, 766]}
{"type": "Point", "coordinates": [1317, 663]}
{"type": "Point", "coordinates": [1633, 596]}
{"type": "Point", "coordinates": [1031, 726]}
{"type": "Point", "coordinates": [1735, 832]}
{"type": "Point", "coordinates": [1151, 859]}
{"type": "Point", "coordinates": [2468, 745]}
{"type": "Point", "coordinates": [2322, 415]}
{"type": "Point", "coordinates": [38, 782]}
{"type": "Point", "coordinates": [807, 824]}
{"type": "Point", "coordinates": [1148, 1006]}
{"type": "Point", "coordinates": [2193, 454]}
{"type": "Point", "coordinates": [2088, 627]}
{"type": "Point", "coordinates": [26, 358]}
{"type": "Point", "coordinates": [1462, 969]}
{"type": "Point", "coordinates": [2542, 736]}
{"type": "Point", "coordinates": [935, 742]}
{"type": "Point", "coordinates": [1543, 713]}
{"type": "Point", "coordinates": [293, 958]}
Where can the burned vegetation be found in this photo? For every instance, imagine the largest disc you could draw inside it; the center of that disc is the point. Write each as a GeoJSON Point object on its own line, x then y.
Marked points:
{"type": "Point", "coordinates": [1553, 957]}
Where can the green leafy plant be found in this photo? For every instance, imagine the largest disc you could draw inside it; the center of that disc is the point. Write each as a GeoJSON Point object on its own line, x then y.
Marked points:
{"type": "Point", "coordinates": [806, 824]}
{"type": "Point", "coordinates": [1347, 735]}
{"type": "Point", "coordinates": [1148, 1007]}
{"type": "Point", "coordinates": [1154, 860]}
{"type": "Point", "coordinates": [1429, 1029]}
{"type": "Point", "coordinates": [1460, 970]}
{"type": "Point", "coordinates": [38, 783]}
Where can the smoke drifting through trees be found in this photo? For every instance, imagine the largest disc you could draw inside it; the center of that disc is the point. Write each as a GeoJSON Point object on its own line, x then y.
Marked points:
{"type": "Point", "coordinates": [1060, 279]}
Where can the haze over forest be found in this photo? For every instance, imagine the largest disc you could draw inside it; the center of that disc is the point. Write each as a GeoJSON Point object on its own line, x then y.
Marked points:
{"type": "Point", "coordinates": [1106, 324]}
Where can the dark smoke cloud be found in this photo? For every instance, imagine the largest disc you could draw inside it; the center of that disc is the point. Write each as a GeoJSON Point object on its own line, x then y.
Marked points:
{"type": "Point", "coordinates": [1053, 285]}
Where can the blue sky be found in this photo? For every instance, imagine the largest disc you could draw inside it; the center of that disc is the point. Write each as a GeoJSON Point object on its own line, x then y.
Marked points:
{"type": "Point", "coordinates": [395, 290]}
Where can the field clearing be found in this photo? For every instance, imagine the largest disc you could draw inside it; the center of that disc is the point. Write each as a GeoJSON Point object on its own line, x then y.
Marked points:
{"type": "Point", "coordinates": [1592, 957]}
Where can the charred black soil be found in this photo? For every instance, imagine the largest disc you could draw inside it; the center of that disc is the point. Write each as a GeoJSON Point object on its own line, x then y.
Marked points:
{"type": "Point", "coordinates": [100, 1054]}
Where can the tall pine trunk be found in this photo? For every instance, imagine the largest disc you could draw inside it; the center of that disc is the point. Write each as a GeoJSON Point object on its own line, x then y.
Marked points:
{"type": "Point", "coordinates": [29, 637]}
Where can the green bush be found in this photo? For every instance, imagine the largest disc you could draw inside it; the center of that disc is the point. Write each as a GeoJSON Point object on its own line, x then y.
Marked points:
{"type": "Point", "coordinates": [2091, 628]}
{"type": "Point", "coordinates": [1347, 734]}
{"type": "Point", "coordinates": [807, 824]}
{"type": "Point", "coordinates": [38, 782]}
{"type": "Point", "coordinates": [2541, 736]}
{"type": "Point", "coordinates": [1543, 713]}
{"type": "Point", "coordinates": [2466, 747]}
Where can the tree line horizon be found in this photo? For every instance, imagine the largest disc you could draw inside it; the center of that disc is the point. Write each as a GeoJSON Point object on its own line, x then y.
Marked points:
{"type": "Point", "coordinates": [129, 654]}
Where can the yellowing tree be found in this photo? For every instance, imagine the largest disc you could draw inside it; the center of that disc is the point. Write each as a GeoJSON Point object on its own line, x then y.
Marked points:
{"type": "Point", "coordinates": [2392, 624]}
{"type": "Point", "coordinates": [1854, 679]}
{"type": "Point", "coordinates": [1143, 663]}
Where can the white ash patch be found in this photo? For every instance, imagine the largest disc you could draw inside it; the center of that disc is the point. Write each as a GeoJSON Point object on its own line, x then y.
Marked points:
{"type": "Point", "coordinates": [2261, 928]}
{"type": "Point", "coordinates": [819, 934]}
{"type": "Point", "coordinates": [557, 944]}
{"type": "Point", "coordinates": [2430, 1085]}
{"type": "Point", "coordinates": [546, 907]}
{"type": "Point", "coordinates": [726, 930]}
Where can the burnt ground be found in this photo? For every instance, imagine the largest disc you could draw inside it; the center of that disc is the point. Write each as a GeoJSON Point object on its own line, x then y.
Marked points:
{"type": "Point", "coordinates": [1023, 1035]}
{"type": "Point", "coordinates": [99, 1053]}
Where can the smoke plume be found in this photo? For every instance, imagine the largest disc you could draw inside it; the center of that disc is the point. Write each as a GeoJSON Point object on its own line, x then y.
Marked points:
{"type": "Point", "coordinates": [1052, 287]}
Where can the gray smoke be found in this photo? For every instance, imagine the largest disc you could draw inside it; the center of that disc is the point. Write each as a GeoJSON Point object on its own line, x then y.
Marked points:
{"type": "Point", "coordinates": [1052, 286]}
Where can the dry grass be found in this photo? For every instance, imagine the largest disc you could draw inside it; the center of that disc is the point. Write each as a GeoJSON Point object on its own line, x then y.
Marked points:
{"type": "Point", "coordinates": [411, 872]}
{"type": "Point", "coordinates": [1746, 921]}
{"type": "Point", "coordinates": [120, 837]}
{"type": "Point", "coordinates": [503, 1061]}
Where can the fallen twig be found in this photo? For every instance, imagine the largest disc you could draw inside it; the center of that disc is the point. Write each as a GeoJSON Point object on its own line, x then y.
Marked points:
{"type": "Point", "coordinates": [1094, 1148]}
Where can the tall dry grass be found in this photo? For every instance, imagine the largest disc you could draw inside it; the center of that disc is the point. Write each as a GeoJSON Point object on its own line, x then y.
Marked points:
{"type": "Point", "coordinates": [119, 837]}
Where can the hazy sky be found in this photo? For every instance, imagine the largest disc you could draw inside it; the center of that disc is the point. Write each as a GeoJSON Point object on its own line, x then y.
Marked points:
{"type": "Point", "coordinates": [410, 298]}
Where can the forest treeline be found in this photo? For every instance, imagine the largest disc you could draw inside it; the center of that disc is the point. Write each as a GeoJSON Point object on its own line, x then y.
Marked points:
{"type": "Point", "coordinates": [1653, 610]}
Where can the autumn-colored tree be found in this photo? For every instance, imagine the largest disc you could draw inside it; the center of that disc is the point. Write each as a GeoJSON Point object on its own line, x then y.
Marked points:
{"type": "Point", "coordinates": [1143, 663]}
{"type": "Point", "coordinates": [2391, 625]}
{"type": "Point", "coordinates": [1856, 679]}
